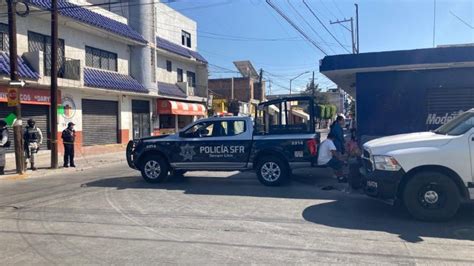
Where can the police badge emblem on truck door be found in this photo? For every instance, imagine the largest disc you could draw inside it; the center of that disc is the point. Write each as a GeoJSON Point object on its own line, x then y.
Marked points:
{"type": "Point", "coordinates": [187, 152]}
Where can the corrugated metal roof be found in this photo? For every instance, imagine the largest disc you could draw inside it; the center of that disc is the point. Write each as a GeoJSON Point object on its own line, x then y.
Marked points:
{"type": "Point", "coordinates": [24, 71]}
{"type": "Point", "coordinates": [168, 89]}
{"type": "Point", "coordinates": [87, 16]}
{"type": "Point", "coordinates": [178, 49]}
{"type": "Point", "coordinates": [111, 80]}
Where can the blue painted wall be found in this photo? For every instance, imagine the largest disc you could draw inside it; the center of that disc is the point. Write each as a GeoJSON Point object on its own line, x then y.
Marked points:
{"type": "Point", "coordinates": [395, 102]}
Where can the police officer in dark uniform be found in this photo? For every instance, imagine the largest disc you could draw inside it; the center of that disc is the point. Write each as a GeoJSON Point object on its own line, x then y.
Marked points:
{"type": "Point", "coordinates": [68, 136]}
{"type": "Point", "coordinates": [3, 145]}
{"type": "Point", "coordinates": [33, 139]}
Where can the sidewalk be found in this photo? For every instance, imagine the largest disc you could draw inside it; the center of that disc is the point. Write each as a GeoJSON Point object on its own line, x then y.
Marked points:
{"type": "Point", "coordinates": [43, 163]}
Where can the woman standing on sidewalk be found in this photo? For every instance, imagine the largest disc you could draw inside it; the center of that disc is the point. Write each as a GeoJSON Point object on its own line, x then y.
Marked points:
{"type": "Point", "coordinates": [3, 145]}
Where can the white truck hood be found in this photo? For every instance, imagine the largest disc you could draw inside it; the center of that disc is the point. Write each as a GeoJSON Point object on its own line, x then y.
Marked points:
{"type": "Point", "coordinates": [404, 141]}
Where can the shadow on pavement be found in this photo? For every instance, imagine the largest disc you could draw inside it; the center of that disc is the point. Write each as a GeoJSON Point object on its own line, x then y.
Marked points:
{"type": "Point", "coordinates": [240, 184]}
{"type": "Point", "coordinates": [371, 215]}
{"type": "Point", "coordinates": [345, 210]}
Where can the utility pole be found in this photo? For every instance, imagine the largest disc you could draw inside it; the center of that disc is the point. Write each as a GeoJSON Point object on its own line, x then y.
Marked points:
{"type": "Point", "coordinates": [17, 126]}
{"type": "Point", "coordinates": [291, 80]}
{"type": "Point", "coordinates": [434, 23]}
{"type": "Point", "coordinates": [354, 34]}
{"type": "Point", "coordinates": [232, 89]}
{"type": "Point", "coordinates": [357, 26]}
{"type": "Point", "coordinates": [351, 30]}
{"type": "Point", "coordinates": [54, 84]}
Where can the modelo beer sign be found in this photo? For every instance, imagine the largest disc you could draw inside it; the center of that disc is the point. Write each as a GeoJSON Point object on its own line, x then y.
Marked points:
{"type": "Point", "coordinates": [434, 119]}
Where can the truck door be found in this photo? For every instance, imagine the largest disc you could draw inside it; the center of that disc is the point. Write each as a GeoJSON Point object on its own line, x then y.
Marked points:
{"type": "Point", "coordinates": [220, 144]}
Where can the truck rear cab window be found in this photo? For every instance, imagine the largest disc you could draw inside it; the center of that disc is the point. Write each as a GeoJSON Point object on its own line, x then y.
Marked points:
{"type": "Point", "coordinates": [284, 117]}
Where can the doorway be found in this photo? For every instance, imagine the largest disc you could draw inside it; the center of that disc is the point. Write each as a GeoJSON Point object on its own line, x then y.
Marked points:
{"type": "Point", "coordinates": [141, 119]}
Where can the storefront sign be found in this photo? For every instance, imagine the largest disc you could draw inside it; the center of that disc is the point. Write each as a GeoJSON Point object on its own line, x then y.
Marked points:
{"type": "Point", "coordinates": [441, 119]}
{"type": "Point", "coordinates": [29, 96]}
{"type": "Point", "coordinates": [12, 96]}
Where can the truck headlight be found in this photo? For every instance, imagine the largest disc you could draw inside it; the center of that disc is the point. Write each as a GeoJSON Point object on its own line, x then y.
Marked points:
{"type": "Point", "coordinates": [386, 163]}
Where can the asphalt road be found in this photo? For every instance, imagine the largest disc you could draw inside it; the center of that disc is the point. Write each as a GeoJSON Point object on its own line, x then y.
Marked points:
{"type": "Point", "coordinates": [109, 215]}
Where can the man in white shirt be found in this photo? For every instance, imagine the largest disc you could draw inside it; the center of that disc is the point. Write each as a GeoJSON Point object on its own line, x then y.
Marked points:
{"type": "Point", "coordinates": [328, 156]}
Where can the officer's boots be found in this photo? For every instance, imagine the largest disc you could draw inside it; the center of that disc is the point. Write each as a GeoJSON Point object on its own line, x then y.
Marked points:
{"type": "Point", "coordinates": [33, 168]}
{"type": "Point", "coordinates": [2, 170]}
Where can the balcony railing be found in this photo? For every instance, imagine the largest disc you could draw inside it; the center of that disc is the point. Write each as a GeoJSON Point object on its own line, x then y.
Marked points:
{"type": "Point", "coordinates": [67, 68]}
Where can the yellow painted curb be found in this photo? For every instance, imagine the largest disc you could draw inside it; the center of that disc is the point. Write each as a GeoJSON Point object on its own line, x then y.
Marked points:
{"type": "Point", "coordinates": [16, 177]}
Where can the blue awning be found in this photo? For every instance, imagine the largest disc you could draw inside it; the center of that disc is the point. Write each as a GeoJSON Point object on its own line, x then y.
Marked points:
{"type": "Point", "coordinates": [171, 90]}
{"type": "Point", "coordinates": [111, 80]}
{"type": "Point", "coordinates": [24, 71]}
{"type": "Point", "coordinates": [89, 17]}
{"type": "Point", "coordinates": [178, 49]}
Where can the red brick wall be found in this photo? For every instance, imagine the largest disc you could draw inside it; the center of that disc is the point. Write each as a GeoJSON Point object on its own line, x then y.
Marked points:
{"type": "Point", "coordinates": [259, 91]}
{"type": "Point", "coordinates": [243, 88]}
{"type": "Point", "coordinates": [93, 150]}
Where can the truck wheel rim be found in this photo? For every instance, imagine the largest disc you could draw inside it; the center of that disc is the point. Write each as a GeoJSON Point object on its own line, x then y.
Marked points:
{"type": "Point", "coordinates": [152, 169]}
{"type": "Point", "coordinates": [270, 171]}
{"type": "Point", "coordinates": [431, 197]}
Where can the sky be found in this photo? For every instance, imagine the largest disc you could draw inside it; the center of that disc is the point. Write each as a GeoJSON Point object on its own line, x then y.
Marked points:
{"type": "Point", "coordinates": [231, 30]}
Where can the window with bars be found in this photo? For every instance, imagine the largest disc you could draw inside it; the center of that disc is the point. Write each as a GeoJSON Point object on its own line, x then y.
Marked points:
{"type": "Point", "coordinates": [101, 59]}
{"type": "Point", "coordinates": [41, 42]}
{"type": "Point", "coordinates": [4, 39]}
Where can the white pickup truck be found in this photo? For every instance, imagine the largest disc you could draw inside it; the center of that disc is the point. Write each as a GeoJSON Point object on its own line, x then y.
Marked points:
{"type": "Point", "coordinates": [431, 173]}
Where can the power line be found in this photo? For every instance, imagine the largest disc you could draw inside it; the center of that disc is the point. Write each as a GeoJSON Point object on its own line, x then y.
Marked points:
{"type": "Point", "coordinates": [307, 23]}
{"type": "Point", "coordinates": [128, 5]}
{"type": "Point", "coordinates": [295, 26]}
{"type": "Point", "coordinates": [462, 20]}
{"type": "Point", "coordinates": [320, 22]}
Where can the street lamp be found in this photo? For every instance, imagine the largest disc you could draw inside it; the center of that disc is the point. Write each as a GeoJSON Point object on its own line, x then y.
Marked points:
{"type": "Point", "coordinates": [291, 80]}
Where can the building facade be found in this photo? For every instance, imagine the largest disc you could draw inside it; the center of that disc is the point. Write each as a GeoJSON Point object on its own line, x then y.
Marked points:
{"type": "Point", "coordinates": [405, 91]}
{"type": "Point", "coordinates": [247, 90]}
{"type": "Point", "coordinates": [180, 70]}
{"type": "Point", "coordinates": [110, 72]}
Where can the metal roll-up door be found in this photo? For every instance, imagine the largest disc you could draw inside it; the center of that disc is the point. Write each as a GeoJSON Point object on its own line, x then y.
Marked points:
{"type": "Point", "coordinates": [444, 104]}
{"type": "Point", "coordinates": [99, 122]}
{"type": "Point", "coordinates": [40, 113]}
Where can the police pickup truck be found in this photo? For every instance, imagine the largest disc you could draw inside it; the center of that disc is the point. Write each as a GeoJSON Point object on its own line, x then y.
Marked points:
{"type": "Point", "coordinates": [281, 137]}
{"type": "Point", "coordinates": [431, 173]}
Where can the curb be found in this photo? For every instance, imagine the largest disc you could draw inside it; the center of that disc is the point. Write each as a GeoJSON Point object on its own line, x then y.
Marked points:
{"type": "Point", "coordinates": [47, 172]}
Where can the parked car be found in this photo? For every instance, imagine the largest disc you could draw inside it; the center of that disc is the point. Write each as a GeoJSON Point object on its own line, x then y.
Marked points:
{"type": "Point", "coordinates": [272, 147]}
{"type": "Point", "coordinates": [431, 173]}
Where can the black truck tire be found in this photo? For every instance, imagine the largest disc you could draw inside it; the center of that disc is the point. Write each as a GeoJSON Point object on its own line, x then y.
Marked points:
{"type": "Point", "coordinates": [272, 171]}
{"type": "Point", "coordinates": [154, 169]}
{"type": "Point", "coordinates": [431, 196]}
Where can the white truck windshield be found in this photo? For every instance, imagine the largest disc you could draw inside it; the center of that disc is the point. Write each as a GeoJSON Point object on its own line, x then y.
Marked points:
{"type": "Point", "coordinates": [458, 125]}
